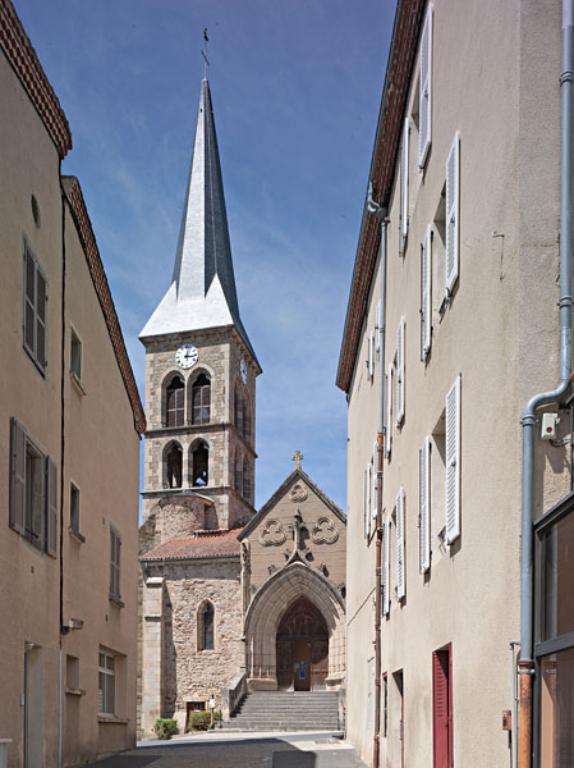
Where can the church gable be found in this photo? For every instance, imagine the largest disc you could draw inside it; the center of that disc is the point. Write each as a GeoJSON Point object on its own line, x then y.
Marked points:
{"type": "Point", "coordinates": [301, 523]}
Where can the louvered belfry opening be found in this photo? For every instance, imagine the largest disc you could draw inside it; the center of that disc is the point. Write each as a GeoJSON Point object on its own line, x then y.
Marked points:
{"type": "Point", "coordinates": [201, 400]}
{"type": "Point", "coordinates": [175, 403]}
{"type": "Point", "coordinates": [199, 463]}
{"type": "Point", "coordinates": [174, 466]}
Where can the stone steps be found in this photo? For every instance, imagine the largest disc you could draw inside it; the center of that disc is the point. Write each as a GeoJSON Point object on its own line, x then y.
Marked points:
{"type": "Point", "coordinates": [287, 711]}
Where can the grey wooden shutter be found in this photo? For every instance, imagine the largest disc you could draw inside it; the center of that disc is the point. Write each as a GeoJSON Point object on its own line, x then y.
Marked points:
{"type": "Point", "coordinates": [51, 508]}
{"type": "Point", "coordinates": [452, 474]}
{"type": "Point", "coordinates": [426, 301]}
{"type": "Point", "coordinates": [386, 574]}
{"type": "Point", "coordinates": [404, 191]}
{"type": "Point", "coordinates": [17, 475]}
{"type": "Point", "coordinates": [401, 371]}
{"type": "Point", "coordinates": [39, 502]}
{"type": "Point", "coordinates": [400, 543]}
{"type": "Point", "coordinates": [424, 506]}
{"type": "Point", "coordinates": [452, 214]}
{"type": "Point", "coordinates": [389, 411]}
{"type": "Point", "coordinates": [425, 87]}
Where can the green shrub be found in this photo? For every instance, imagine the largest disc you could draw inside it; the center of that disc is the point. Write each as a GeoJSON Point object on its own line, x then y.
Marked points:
{"type": "Point", "coordinates": [201, 720]}
{"type": "Point", "coordinates": [165, 728]}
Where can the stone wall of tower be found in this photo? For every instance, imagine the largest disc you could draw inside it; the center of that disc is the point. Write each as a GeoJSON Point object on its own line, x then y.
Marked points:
{"type": "Point", "coordinates": [220, 353]}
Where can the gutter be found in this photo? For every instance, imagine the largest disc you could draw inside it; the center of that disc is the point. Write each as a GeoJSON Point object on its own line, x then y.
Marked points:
{"type": "Point", "coordinates": [380, 213]}
{"type": "Point", "coordinates": [526, 667]}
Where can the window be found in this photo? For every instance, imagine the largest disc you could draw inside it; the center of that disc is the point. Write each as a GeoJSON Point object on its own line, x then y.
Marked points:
{"type": "Point", "coordinates": [201, 400]}
{"type": "Point", "coordinates": [74, 509]}
{"type": "Point", "coordinates": [206, 624]}
{"type": "Point", "coordinates": [199, 463]}
{"type": "Point", "coordinates": [388, 411]}
{"type": "Point", "coordinates": [33, 492]}
{"type": "Point", "coordinates": [72, 673]}
{"type": "Point", "coordinates": [452, 460]}
{"type": "Point", "coordinates": [238, 474]}
{"type": "Point", "coordinates": [174, 465]}
{"type": "Point", "coordinates": [425, 88]}
{"type": "Point", "coordinates": [452, 215]}
{"type": "Point", "coordinates": [106, 683]}
{"type": "Point", "coordinates": [115, 564]}
{"type": "Point", "coordinates": [404, 188]}
{"type": "Point", "coordinates": [174, 403]}
{"type": "Point", "coordinates": [34, 310]}
{"type": "Point", "coordinates": [442, 708]}
{"type": "Point", "coordinates": [76, 356]}
{"type": "Point", "coordinates": [386, 569]}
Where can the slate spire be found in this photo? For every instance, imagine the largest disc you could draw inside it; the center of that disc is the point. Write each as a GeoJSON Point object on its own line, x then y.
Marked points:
{"type": "Point", "coordinates": [202, 293]}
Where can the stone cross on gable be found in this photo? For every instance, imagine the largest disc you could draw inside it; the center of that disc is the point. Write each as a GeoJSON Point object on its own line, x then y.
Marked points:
{"type": "Point", "coordinates": [297, 458]}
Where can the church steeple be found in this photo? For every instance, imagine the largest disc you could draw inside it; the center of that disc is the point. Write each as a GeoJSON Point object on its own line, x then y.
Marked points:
{"type": "Point", "coordinates": [202, 293]}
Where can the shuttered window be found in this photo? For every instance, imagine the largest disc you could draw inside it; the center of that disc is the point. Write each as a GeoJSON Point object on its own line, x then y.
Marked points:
{"type": "Point", "coordinates": [424, 506]}
{"type": "Point", "coordinates": [426, 301]}
{"type": "Point", "coordinates": [389, 411]}
{"type": "Point", "coordinates": [115, 564]}
{"type": "Point", "coordinates": [386, 569]}
{"type": "Point", "coordinates": [35, 298]}
{"type": "Point", "coordinates": [106, 683]}
{"type": "Point", "coordinates": [452, 459]}
{"type": "Point", "coordinates": [442, 709]}
{"type": "Point", "coordinates": [17, 476]}
{"type": "Point", "coordinates": [374, 490]}
{"type": "Point", "coordinates": [401, 371]}
{"type": "Point", "coordinates": [51, 508]}
{"type": "Point", "coordinates": [404, 190]}
{"type": "Point", "coordinates": [400, 543]}
{"type": "Point", "coordinates": [452, 214]}
{"type": "Point", "coordinates": [425, 86]}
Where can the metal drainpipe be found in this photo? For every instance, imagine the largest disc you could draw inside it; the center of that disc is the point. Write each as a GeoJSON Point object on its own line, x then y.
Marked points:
{"type": "Point", "coordinates": [380, 213]}
{"type": "Point", "coordinates": [526, 662]}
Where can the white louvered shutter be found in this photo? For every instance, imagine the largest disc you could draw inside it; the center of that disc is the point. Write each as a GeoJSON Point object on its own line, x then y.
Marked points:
{"type": "Point", "coordinates": [51, 508]}
{"type": "Point", "coordinates": [366, 502]}
{"type": "Point", "coordinates": [17, 475]}
{"type": "Point", "coordinates": [386, 574]}
{"type": "Point", "coordinates": [378, 328]}
{"type": "Point", "coordinates": [389, 411]}
{"type": "Point", "coordinates": [426, 301]}
{"type": "Point", "coordinates": [425, 86]}
{"type": "Point", "coordinates": [452, 475]}
{"type": "Point", "coordinates": [404, 193]}
{"type": "Point", "coordinates": [424, 506]}
{"type": "Point", "coordinates": [401, 371]}
{"type": "Point", "coordinates": [452, 213]}
{"type": "Point", "coordinates": [372, 369]}
{"type": "Point", "coordinates": [400, 543]}
{"type": "Point", "coordinates": [374, 492]}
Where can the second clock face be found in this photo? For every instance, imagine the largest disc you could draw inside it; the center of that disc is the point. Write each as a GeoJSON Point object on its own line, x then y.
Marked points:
{"type": "Point", "coordinates": [186, 356]}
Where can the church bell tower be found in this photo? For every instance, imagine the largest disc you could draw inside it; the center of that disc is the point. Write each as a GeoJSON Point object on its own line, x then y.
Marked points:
{"type": "Point", "coordinates": [201, 368]}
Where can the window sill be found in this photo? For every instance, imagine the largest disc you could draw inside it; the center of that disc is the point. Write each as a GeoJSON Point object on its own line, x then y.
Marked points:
{"type": "Point", "coordinates": [76, 535]}
{"type": "Point", "coordinates": [112, 720]}
{"type": "Point", "coordinates": [77, 384]}
{"type": "Point", "coordinates": [116, 601]}
{"type": "Point", "coordinates": [75, 692]}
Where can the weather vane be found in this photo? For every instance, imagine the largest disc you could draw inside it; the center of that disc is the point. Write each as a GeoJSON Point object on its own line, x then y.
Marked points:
{"type": "Point", "coordinates": [204, 52]}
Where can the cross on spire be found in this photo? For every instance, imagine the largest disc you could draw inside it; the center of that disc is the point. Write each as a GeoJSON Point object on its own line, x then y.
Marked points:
{"type": "Point", "coordinates": [297, 458]}
{"type": "Point", "coordinates": [204, 52]}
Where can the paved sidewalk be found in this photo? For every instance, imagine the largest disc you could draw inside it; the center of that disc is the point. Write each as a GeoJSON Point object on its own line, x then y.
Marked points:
{"type": "Point", "coordinates": [237, 750]}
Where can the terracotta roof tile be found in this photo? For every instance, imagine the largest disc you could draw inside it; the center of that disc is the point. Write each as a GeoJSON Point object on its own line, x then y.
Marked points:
{"type": "Point", "coordinates": [203, 544]}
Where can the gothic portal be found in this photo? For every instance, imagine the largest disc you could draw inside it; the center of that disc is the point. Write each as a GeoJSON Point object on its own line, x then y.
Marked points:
{"type": "Point", "coordinates": [229, 595]}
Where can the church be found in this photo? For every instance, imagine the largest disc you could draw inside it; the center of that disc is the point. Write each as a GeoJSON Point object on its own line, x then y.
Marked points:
{"type": "Point", "coordinates": [233, 600]}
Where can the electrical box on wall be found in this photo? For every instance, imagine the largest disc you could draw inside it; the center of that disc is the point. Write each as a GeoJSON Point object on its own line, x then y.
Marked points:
{"type": "Point", "coordinates": [549, 422]}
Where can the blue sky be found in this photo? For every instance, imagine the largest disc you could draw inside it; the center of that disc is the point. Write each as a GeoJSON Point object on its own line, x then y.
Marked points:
{"type": "Point", "coordinates": [296, 86]}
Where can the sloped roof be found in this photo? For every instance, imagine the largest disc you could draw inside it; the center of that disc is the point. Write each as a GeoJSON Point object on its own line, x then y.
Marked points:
{"type": "Point", "coordinates": [202, 293]}
{"type": "Point", "coordinates": [75, 199]}
{"type": "Point", "coordinates": [297, 474]}
{"type": "Point", "coordinates": [202, 545]}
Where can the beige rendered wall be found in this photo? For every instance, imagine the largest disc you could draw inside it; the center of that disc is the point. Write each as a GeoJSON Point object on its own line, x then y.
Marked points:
{"type": "Point", "coordinates": [29, 598]}
{"type": "Point", "coordinates": [102, 461]}
{"type": "Point", "coordinates": [495, 70]}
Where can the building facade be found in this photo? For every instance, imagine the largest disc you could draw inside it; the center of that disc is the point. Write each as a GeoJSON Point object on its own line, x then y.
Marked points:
{"type": "Point", "coordinates": [70, 422]}
{"type": "Point", "coordinates": [232, 600]}
{"type": "Point", "coordinates": [452, 325]}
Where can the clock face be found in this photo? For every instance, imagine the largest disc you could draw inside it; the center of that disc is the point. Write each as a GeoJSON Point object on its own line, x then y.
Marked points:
{"type": "Point", "coordinates": [186, 356]}
{"type": "Point", "coordinates": [243, 370]}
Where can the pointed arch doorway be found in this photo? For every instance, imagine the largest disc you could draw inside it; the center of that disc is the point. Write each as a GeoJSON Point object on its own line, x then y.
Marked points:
{"type": "Point", "coordinates": [302, 648]}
